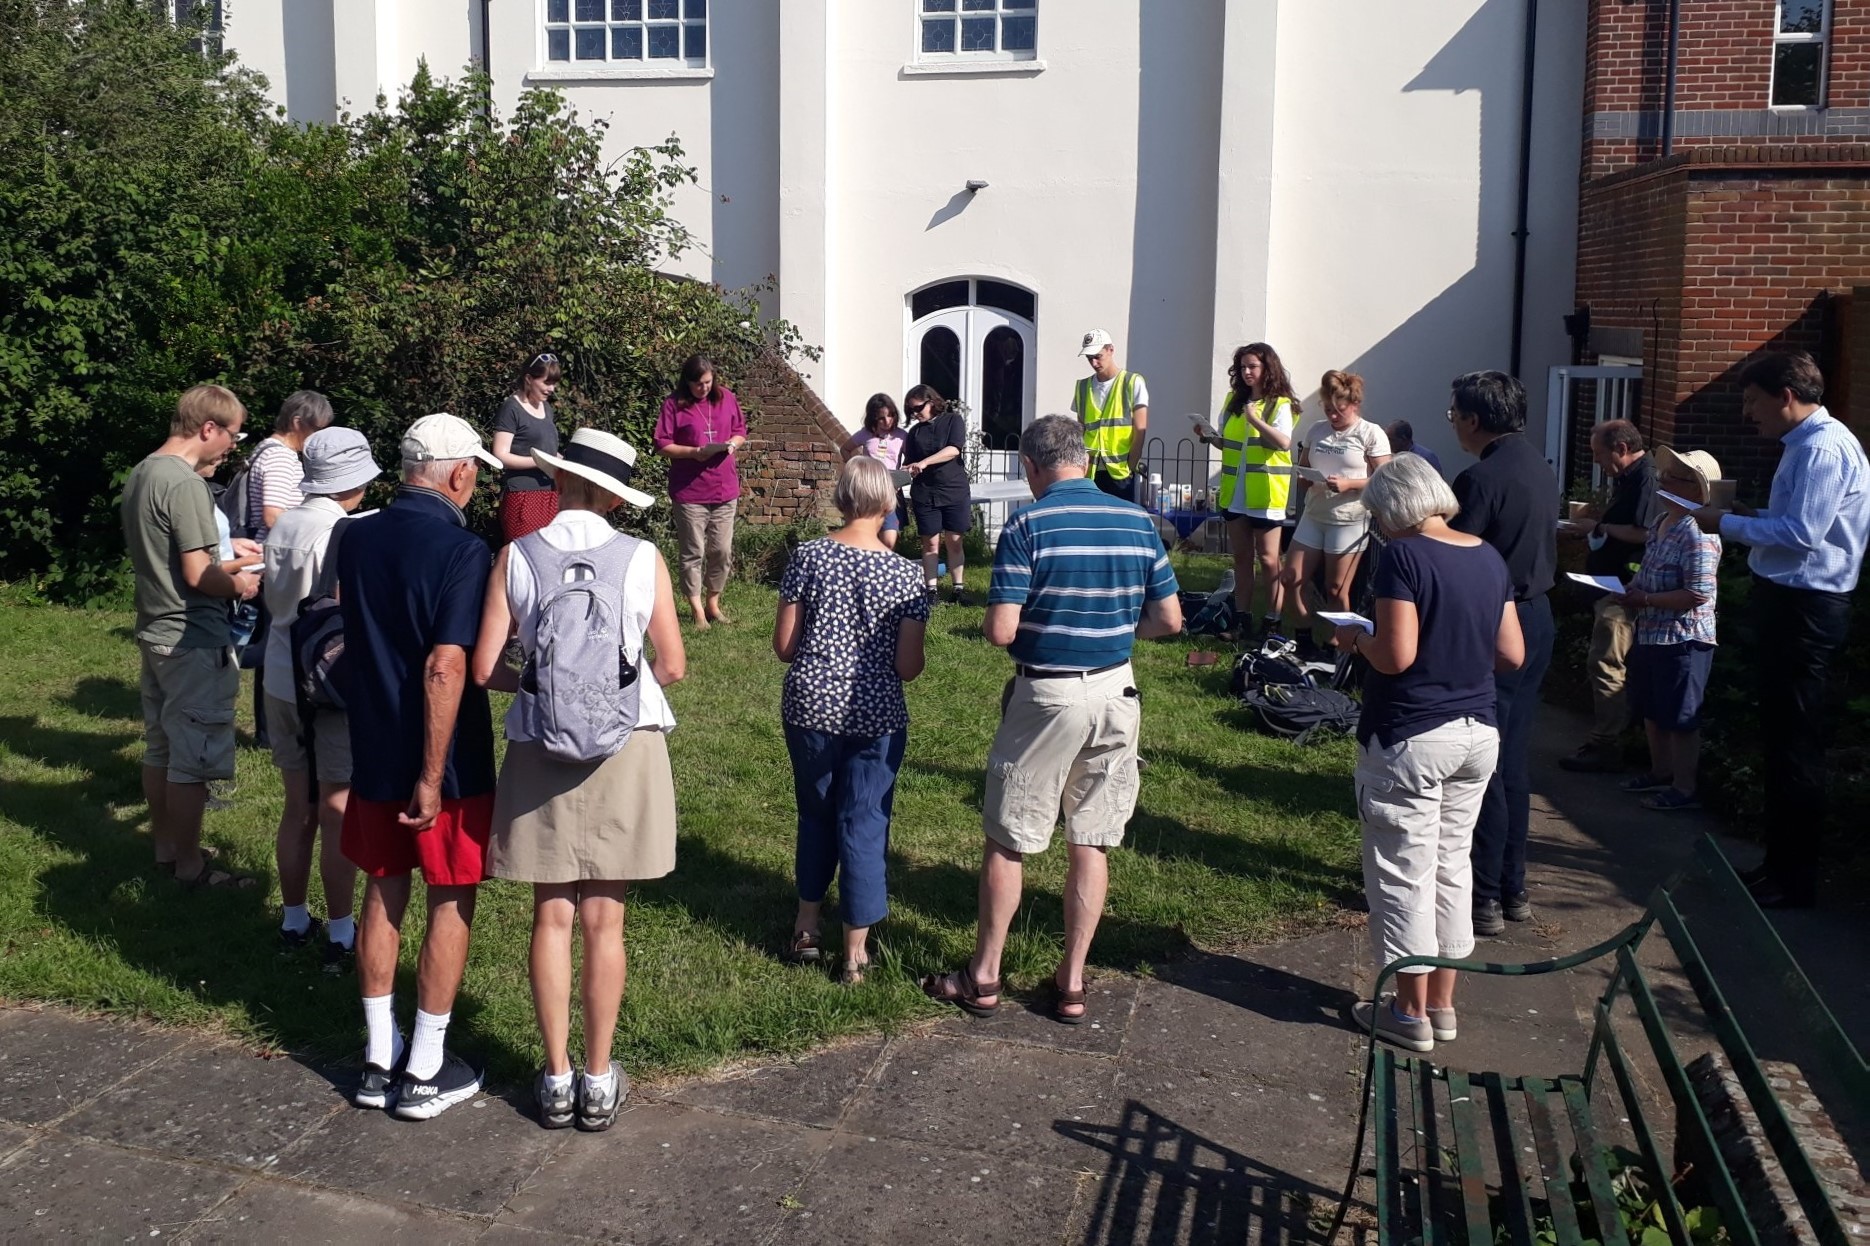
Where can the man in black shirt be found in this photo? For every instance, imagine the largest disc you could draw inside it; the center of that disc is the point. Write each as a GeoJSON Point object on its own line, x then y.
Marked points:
{"type": "Point", "coordinates": [1510, 500]}
{"type": "Point", "coordinates": [1616, 539]}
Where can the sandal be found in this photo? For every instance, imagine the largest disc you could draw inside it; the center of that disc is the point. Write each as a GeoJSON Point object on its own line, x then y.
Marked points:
{"type": "Point", "coordinates": [960, 989]}
{"type": "Point", "coordinates": [1671, 800]}
{"type": "Point", "coordinates": [1063, 999]}
{"type": "Point", "coordinates": [212, 878]}
{"type": "Point", "coordinates": [804, 948]}
{"type": "Point", "coordinates": [208, 854]}
{"type": "Point", "coordinates": [852, 974]}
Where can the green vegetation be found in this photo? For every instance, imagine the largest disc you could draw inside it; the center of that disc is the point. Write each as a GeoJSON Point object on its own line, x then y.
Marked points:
{"type": "Point", "coordinates": [1237, 838]}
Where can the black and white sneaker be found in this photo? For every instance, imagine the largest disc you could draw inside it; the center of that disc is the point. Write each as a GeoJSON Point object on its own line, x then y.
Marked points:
{"type": "Point", "coordinates": [556, 1106]}
{"type": "Point", "coordinates": [597, 1109]}
{"type": "Point", "coordinates": [338, 959]}
{"type": "Point", "coordinates": [292, 942]}
{"type": "Point", "coordinates": [377, 1087]}
{"type": "Point", "coordinates": [419, 1098]}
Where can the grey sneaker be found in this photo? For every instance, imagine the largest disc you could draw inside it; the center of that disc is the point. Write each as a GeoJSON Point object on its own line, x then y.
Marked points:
{"type": "Point", "coordinates": [556, 1107]}
{"type": "Point", "coordinates": [597, 1109]}
{"type": "Point", "coordinates": [1441, 1022]}
{"type": "Point", "coordinates": [1517, 907]}
{"type": "Point", "coordinates": [1489, 920]}
{"type": "Point", "coordinates": [1409, 1035]}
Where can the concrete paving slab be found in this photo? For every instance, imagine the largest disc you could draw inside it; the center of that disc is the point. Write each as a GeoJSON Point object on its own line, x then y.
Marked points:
{"type": "Point", "coordinates": [56, 1062]}
{"type": "Point", "coordinates": [471, 1159]}
{"type": "Point", "coordinates": [880, 1190]}
{"type": "Point", "coordinates": [1110, 1006]}
{"type": "Point", "coordinates": [275, 1211]}
{"type": "Point", "coordinates": [1301, 1136]}
{"type": "Point", "coordinates": [12, 1138]}
{"type": "Point", "coordinates": [65, 1187]}
{"type": "Point", "coordinates": [666, 1173]}
{"type": "Point", "coordinates": [994, 1098]}
{"type": "Point", "coordinates": [812, 1090]}
{"type": "Point", "coordinates": [213, 1102]}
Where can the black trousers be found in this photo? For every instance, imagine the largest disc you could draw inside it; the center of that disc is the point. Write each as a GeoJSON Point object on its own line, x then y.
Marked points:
{"type": "Point", "coordinates": [1799, 633]}
{"type": "Point", "coordinates": [1117, 486]}
{"type": "Point", "coordinates": [1499, 851]}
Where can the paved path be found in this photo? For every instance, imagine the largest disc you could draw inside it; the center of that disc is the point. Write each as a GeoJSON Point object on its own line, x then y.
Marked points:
{"type": "Point", "coordinates": [1215, 1103]}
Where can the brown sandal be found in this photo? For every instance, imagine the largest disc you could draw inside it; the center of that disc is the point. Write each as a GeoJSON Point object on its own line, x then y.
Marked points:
{"type": "Point", "coordinates": [1063, 999]}
{"type": "Point", "coordinates": [960, 989]}
{"type": "Point", "coordinates": [213, 878]}
{"type": "Point", "coordinates": [804, 948]}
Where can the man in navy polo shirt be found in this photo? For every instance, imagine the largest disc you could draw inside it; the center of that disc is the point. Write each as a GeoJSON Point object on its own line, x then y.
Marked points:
{"type": "Point", "coordinates": [1078, 577]}
{"type": "Point", "coordinates": [411, 582]}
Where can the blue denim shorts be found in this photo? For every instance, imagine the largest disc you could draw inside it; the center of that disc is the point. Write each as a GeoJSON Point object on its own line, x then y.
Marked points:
{"type": "Point", "coordinates": [1667, 683]}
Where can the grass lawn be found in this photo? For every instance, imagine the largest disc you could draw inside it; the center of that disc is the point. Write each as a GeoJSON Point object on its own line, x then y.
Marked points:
{"type": "Point", "coordinates": [1237, 838]}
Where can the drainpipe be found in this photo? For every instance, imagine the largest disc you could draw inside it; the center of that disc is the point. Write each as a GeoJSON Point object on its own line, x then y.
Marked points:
{"type": "Point", "coordinates": [1520, 233]}
{"type": "Point", "coordinates": [1668, 79]}
{"type": "Point", "coordinates": [486, 52]}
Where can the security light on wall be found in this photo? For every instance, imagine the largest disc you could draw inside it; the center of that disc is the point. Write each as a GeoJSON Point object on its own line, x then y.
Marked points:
{"type": "Point", "coordinates": [975, 186]}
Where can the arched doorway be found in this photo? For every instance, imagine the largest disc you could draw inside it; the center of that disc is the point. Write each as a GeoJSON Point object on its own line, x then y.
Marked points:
{"type": "Point", "coordinates": [972, 339]}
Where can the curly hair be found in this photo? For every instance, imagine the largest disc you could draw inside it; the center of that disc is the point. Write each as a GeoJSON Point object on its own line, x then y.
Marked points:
{"type": "Point", "coordinates": [1274, 383]}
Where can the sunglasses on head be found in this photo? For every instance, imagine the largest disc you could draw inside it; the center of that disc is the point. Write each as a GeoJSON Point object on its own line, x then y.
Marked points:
{"type": "Point", "coordinates": [916, 408]}
{"type": "Point", "coordinates": [544, 356]}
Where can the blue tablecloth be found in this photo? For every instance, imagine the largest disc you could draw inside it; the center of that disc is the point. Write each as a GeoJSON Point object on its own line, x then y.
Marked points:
{"type": "Point", "coordinates": [1187, 522]}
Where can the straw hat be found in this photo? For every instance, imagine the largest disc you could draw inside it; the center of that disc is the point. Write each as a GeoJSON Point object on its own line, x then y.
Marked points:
{"type": "Point", "coordinates": [1696, 463]}
{"type": "Point", "coordinates": [605, 460]}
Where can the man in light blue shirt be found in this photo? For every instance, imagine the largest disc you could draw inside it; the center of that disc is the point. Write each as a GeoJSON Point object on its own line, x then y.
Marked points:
{"type": "Point", "coordinates": [1807, 549]}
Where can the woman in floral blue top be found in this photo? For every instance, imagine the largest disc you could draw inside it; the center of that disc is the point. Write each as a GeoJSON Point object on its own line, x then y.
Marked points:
{"type": "Point", "coordinates": [1673, 598]}
{"type": "Point", "coordinates": [851, 619]}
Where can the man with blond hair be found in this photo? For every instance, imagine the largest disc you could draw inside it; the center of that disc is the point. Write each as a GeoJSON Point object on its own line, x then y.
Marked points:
{"type": "Point", "coordinates": [190, 678]}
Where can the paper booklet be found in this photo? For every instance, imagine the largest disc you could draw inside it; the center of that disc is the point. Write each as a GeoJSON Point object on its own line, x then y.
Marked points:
{"type": "Point", "coordinates": [1341, 618]}
{"type": "Point", "coordinates": [1609, 583]}
{"type": "Point", "coordinates": [1676, 499]}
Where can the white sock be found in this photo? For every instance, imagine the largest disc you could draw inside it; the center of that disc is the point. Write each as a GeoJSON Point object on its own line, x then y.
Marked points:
{"type": "Point", "coordinates": [425, 1048]}
{"type": "Point", "coordinates": [383, 1042]}
{"type": "Point", "coordinates": [295, 919]}
{"type": "Point", "coordinates": [342, 931]}
{"type": "Point", "coordinates": [597, 1085]}
{"type": "Point", "coordinates": [558, 1083]}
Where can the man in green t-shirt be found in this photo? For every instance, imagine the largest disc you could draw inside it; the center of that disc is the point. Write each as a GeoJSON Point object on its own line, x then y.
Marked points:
{"type": "Point", "coordinates": [189, 678]}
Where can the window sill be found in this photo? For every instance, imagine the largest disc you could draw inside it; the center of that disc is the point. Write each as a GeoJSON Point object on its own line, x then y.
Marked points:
{"type": "Point", "coordinates": [614, 73]}
{"type": "Point", "coordinates": [963, 68]}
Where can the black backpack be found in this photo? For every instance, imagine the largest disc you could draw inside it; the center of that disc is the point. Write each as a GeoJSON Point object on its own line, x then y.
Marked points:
{"type": "Point", "coordinates": [1298, 714]}
{"type": "Point", "coordinates": [233, 500]}
{"type": "Point", "coordinates": [1273, 665]}
{"type": "Point", "coordinates": [318, 639]}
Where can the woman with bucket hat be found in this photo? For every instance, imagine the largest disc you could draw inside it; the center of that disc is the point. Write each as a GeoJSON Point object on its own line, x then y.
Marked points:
{"type": "Point", "coordinates": [586, 801]}
{"type": "Point", "coordinates": [1673, 599]}
{"type": "Point", "coordinates": [337, 467]}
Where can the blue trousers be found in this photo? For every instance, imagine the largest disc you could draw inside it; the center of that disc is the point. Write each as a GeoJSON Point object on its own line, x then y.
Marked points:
{"type": "Point", "coordinates": [1499, 852]}
{"type": "Point", "coordinates": [845, 787]}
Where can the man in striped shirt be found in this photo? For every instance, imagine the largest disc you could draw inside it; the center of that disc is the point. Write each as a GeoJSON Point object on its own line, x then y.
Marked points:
{"type": "Point", "coordinates": [1078, 577]}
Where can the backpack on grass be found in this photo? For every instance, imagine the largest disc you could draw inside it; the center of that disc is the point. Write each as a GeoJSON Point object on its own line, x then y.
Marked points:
{"type": "Point", "coordinates": [1298, 714]}
{"type": "Point", "coordinates": [579, 674]}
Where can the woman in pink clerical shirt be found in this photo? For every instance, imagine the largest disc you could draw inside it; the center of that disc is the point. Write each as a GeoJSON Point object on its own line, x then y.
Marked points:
{"type": "Point", "coordinates": [699, 430]}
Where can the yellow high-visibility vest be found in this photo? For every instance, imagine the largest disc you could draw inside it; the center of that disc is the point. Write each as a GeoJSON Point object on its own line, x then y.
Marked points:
{"type": "Point", "coordinates": [1107, 429]}
{"type": "Point", "coordinates": [1253, 470]}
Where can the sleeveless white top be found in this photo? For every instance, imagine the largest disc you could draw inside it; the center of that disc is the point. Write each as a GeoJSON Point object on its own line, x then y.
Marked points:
{"type": "Point", "coordinates": [581, 530]}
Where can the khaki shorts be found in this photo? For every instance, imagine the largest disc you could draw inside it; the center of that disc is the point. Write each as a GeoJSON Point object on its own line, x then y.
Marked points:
{"type": "Point", "coordinates": [188, 712]}
{"type": "Point", "coordinates": [331, 741]}
{"type": "Point", "coordinates": [1065, 745]}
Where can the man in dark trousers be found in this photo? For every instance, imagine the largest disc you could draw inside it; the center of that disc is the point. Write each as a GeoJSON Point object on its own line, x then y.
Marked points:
{"type": "Point", "coordinates": [1509, 499]}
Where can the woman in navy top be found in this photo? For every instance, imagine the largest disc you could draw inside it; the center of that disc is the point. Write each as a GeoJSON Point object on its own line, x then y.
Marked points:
{"type": "Point", "coordinates": [1428, 739]}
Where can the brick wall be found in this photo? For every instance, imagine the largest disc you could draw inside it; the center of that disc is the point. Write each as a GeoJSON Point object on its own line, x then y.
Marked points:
{"type": "Point", "coordinates": [790, 463]}
{"type": "Point", "coordinates": [1723, 79]}
{"type": "Point", "coordinates": [1713, 256]}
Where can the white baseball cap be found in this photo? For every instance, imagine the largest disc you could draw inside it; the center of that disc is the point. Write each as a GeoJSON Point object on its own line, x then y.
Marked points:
{"type": "Point", "coordinates": [441, 437]}
{"type": "Point", "coordinates": [1094, 343]}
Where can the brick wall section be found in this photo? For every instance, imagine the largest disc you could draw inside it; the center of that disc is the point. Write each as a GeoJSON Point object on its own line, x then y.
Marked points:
{"type": "Point", "coordinates": [1723, 80]}
{"type": "Point", "coordinates": [790, 463]}
{"type": "Point", "coordinates": [1713, 256]}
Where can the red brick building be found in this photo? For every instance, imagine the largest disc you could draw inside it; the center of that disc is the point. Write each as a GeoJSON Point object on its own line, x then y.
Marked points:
{"type": "Point", "coordinates": [1736, 221]}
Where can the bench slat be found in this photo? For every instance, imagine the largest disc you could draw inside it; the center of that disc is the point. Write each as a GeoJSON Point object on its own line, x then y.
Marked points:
{"type": "Point", "coordinates": [1772, 1116]}
{"type": "Point", "coordinates": [1468, 1158]}
{"type": "Point", "coordinates": [1507, 1146]}
{"type": "Point", "coordinates": [1428, 1153]}
{"type": "Point", "coordinates": [1605, 1042]}
{"type": "Point", "coordinates": [1551, 1160]}
{"type": "Point", "coordinates": [1591, 1151]}
{"type": "Point", "coordinates": [1687, 1106]}
{"type": "Point", "coordinates": [1389, 1195]}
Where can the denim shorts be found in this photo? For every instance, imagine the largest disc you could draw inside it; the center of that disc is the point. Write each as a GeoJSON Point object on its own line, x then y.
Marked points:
{"type": "Point", "coordinates": [1668, 683]}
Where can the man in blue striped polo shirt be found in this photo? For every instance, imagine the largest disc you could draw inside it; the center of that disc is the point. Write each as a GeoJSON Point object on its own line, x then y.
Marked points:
{"type": "Point", "coordinates": [1078, 577]}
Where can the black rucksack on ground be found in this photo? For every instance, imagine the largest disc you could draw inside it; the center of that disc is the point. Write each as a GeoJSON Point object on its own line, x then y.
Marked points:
{"type": "Point", "coordinates": [1274, 663]}
{"type": "Point", "coordinates": [1298, 714]}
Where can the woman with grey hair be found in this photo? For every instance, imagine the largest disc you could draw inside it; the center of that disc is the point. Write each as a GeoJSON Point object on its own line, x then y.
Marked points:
{"type": "Point", "coordinates": [1428, 738]}
{"type": "Point", "coordinates": [852, 613]}
{"type": "Point", "coordinates": [274, 472]}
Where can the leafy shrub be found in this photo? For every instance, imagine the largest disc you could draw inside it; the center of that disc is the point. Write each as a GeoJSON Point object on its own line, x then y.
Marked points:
{"type": "Point", "coordinates": [160, 225]}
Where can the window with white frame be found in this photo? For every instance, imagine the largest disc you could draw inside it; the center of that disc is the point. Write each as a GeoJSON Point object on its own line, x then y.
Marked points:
{"type": "Point", "coordinates": [999, 30]}
{"type": "Point", "coordinates": [1801, 34]}
{"type": "Point", "coordinates": [626, 33]}
{"type": "Point", "coordinates": [210, 15]}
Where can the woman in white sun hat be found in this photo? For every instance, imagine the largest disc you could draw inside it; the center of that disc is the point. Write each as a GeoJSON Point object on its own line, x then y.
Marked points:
{"type": "Point", "coordinates": [585, 802]}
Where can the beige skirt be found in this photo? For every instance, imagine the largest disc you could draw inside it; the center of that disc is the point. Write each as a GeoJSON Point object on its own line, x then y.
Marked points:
{"type": "Point", "coordinates": [564, 822]}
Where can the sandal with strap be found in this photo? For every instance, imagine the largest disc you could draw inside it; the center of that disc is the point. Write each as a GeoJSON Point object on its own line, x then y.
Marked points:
{"type": "Point", "coordinates": [804, 948]}
{"type": "Point", "coordinates": [213, 878]}
{"type": "Point", "coordinates": [1063, 999]}
{"type": "Point", "coordinates": [852, 972]}
{"type": "Point", "coordinates": [960, 989]}
{"type": "Point", "coordinates": [209, 853]}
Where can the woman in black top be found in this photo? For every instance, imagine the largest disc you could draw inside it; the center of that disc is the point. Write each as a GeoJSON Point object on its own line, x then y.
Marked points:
{"type": "Point", "coordinates": [938, 485]}
{"type": "Point", "coordinates": [528, 501]}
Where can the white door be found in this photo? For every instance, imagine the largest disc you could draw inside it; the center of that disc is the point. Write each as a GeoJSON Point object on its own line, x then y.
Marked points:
{"type": "Point", "coordinates": [982, 357]}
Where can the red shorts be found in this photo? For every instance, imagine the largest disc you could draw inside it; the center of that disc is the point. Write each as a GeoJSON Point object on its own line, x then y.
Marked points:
{"type": "Point", "coordinates": [525, 511]}
{"type": "Point", "coordinates": [451, 853]}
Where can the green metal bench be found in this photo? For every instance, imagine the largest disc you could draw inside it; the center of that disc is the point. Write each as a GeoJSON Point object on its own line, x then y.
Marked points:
{"type": "Point", "coordinates": [1430, 1159]}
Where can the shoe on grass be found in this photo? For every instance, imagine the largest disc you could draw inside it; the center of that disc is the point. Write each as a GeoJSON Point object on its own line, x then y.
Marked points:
{"type": "Point", "coordinates": [597, 1109]}
{"type": "Point", "coordinates": [338, 960]}
{"type": "Point", "coordinates": [1671, 800]}
{"type": "Point", "coordinates": [1417, 1035]}
{"type": "Point", "coordinates": [556, 1106]}
{"type": "Point", "coordinates": [1517, 907]}
{"type": "Point", "coordinates": [293, 941]}
{"type": "Point", "coordinates": [1489, 919]}
{"type": "Point", "coordinates": [1592, 759]}
{"type": "Point", "coordinates": [1644, 782]}
{"type": "Point", "coordinates": [423, 1098]}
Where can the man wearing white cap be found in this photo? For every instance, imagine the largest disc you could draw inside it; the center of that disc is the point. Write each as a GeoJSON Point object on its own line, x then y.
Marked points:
{"type": "Point", "coordinates": [337, 465]}
{"type": "Point", "coordinates": [1114, 406]}
{"type": "Point", "coordinates": [410, 584]}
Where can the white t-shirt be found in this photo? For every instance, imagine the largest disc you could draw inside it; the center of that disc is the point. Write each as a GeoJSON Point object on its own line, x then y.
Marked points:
{"type": "Point", "coordinates": [294, 555]}
{"type": "Point", "coordinates": [1346, 454]}
{"type": "Point", "coordinates": [273, 479]}
{"type": "Point", "coordinates": [581, 530]}
{"type": "Point", "coordinates": [1100, 392]}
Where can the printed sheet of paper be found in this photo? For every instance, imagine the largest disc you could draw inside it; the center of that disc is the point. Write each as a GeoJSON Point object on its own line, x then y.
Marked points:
{"type": "Point", "coordinates": [1676, 499]}
{"type": "Point", "coordinates": [1342, 618]}
{"type": "Point", "coordinates": [1609, 583]}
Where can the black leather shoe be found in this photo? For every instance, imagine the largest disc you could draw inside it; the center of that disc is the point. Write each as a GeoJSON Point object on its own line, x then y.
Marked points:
{"type": "Point", "coordinates": [1489, 922]}
{"type": "Point", "coordinates": [1517, 908]}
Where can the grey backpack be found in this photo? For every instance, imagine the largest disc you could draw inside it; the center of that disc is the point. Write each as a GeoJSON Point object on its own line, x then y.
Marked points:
{"type": "Point", "coordinates": [580, 674]}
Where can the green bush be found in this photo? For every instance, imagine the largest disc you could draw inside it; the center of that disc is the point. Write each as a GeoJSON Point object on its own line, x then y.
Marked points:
{"type": "Point", "coordinates": [161, 225]}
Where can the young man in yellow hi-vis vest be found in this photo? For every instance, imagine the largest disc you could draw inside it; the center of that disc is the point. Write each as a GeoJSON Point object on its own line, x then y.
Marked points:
{"type": "Point", "coordinates": [1114, 406]}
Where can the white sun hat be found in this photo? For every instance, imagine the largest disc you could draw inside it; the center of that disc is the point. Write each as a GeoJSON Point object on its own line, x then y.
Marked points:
{"type": "Point", "coordinates": [605, 460]}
